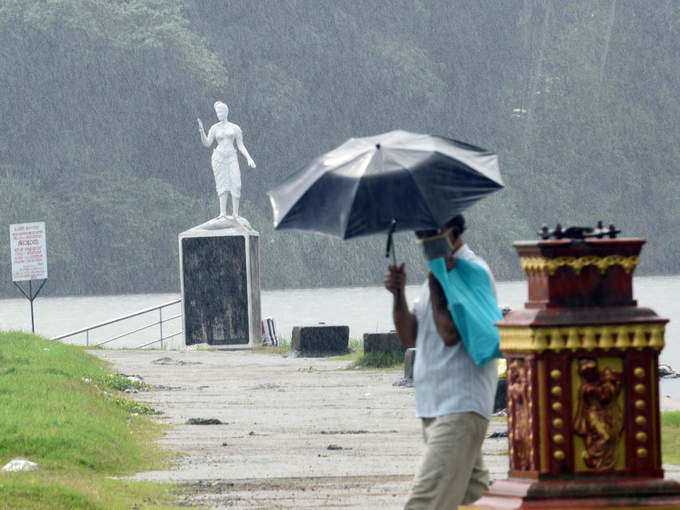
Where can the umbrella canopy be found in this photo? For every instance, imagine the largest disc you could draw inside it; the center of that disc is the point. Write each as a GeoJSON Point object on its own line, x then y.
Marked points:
{"type": "Point", "coordinates": [421, 181]}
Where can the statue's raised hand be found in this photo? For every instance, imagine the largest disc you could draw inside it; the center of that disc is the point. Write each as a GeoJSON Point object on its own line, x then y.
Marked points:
{"type": "Point", "coordinates": [200, 126]}
{"type": "Point", "coordinates": [251, 163]}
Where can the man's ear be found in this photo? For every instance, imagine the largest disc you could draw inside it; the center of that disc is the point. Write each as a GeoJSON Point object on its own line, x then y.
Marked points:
{"type": "Point", "coordinates": [454, 234]}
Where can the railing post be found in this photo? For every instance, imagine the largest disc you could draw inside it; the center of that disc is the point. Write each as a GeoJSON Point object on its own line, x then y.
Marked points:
{"type": "Point", "coordinates": [160, 323]}
{"type": "Point", "coordinates": [87, 338]}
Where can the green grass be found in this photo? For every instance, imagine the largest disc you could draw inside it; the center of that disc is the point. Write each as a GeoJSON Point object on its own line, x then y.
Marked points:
{"type": "Point", "coordinates": [62, 408]}
{"type": "Point", "coordinates": [356, 355]}
{"type": "Point", "coordinates": [282, 348]}
{"type": "Point", "coordinates": [670, 437]}
{"type": "Point", "coordinates": [356, 349]}
{"type": "Point", "coordinates": [379, 360]}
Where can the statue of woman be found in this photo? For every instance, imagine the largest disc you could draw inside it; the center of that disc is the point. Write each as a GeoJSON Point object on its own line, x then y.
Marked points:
{"type": "Point", "coordinates": [224, 159]}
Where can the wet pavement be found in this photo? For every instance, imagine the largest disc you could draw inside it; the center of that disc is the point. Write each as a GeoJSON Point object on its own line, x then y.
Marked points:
{"type": "Point", "coordinates": [294, 432]}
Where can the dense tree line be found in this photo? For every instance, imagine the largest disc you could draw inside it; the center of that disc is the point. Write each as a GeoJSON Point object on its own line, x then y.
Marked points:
{"type": "Point", "coordinates": [100, 98]}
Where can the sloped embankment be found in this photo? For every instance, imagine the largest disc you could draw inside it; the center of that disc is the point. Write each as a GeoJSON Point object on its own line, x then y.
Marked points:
{"type": "Point", "coordinates": [62, 408]}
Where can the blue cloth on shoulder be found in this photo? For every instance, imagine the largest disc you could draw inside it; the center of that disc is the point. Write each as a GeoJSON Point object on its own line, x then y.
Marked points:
{"type": "Point", "coordinates": [473, 307]}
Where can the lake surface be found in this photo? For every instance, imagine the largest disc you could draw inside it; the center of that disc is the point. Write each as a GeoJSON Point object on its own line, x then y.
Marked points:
{"type": "Point", "coordinates": [363, 309]}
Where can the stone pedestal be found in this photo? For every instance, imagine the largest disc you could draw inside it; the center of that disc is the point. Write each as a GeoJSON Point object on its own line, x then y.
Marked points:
{"type": "Point", "coordinates": [582, 384]}
{"type": "Point", "coordinates": [409, 363]}
{"type": "Point", "coordinates": [384, 343]}
{"type": "Point", "coordinates": [320, 340]}
{"type": "Point", "coordinates": [220, 281]}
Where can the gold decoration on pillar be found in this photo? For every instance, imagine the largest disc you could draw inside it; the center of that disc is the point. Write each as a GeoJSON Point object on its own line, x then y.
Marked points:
{"type": "Point", "coordinates": [540, 339]}
{"type": "Point", "coordinates": [599, 414]}
{"type": "Point", "coordinates": [589, 342]}
{"type": "Point", "coordinates": [656, 338]}
{"type": "Point", "coordinates": [607, 336]}
{"type": "Point", "coordinates": [556, 339]}
{"type": "Point", "coordinates": [606, 340]}
{"type": "Point", "coordinates": [623, 337]}
{"type": "Point", "coordinates": [573, 341]}
{"type": "Point", "coordinates": [639, 338]}
{"type": "Point", "coordinates": [546, 266]}
{"type": "Point", "coordinates": [518, 401]}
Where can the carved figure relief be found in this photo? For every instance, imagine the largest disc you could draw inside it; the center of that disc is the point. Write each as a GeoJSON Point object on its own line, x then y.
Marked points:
{"type": "Point", "coordinates": [518, 398]}
{"type": "Point", "coordinates": [599, 416]}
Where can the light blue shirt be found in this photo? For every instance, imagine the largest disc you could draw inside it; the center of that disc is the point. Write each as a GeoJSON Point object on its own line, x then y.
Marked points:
{"type": "Point", "coordinates": [446, 378]}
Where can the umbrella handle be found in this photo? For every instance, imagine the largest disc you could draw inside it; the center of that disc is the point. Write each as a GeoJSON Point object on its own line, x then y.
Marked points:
{"type": "Point", "coordinates": [390, 247]}
{"type": "Point", "coordinates": [390, 242]}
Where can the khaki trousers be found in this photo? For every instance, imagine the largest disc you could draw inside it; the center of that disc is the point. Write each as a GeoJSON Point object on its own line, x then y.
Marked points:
{"type": "Point", "coordinates": [452, 471]}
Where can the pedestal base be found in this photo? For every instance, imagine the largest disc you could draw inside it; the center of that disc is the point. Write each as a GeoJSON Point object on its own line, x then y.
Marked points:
{"type": "Point", "coordinates": [220, 277]}
{"type": "Point", "coordinates": [594, 492]}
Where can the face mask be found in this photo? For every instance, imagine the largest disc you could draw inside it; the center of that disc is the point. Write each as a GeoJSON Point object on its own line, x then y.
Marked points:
{"type": "Point", "coordinates": [435, 248]}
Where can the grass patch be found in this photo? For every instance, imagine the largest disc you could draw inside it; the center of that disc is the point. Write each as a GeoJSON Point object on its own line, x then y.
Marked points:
{"type": "Point", "coordinates": [670, 419]}
{"type": "Point", "coordinates": [356, 349]}
{"type": "Point", "coordinates": [282, 348]}
{"type": "Point", "coordinates": [119, 382]}
{"type": "Point", "coordinates": [670, 437]}
{"type": "Point", "coordinates": [379, 360]}
{"type": "Point", "coordinates": [62, 408]}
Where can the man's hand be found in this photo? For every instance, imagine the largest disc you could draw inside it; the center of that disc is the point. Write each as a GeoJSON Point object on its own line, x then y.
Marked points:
{"type": "Point", "coordinates": [404, 321]}
{"type": "Point", "coordinates": [395, 279]}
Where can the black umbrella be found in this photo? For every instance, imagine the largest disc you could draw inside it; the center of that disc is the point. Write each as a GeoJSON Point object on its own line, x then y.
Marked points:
{"type": "Point", "coordinates": [366, 184]}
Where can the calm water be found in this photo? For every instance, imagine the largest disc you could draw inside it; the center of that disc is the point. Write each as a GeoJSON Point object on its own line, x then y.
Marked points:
{"type": "Point", "coordinates": [363, 309]}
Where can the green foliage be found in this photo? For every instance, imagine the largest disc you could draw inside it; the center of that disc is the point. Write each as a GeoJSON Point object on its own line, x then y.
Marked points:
{"type": "Point", "coordinates": [670, 437]}
{"type": "Point", "coordinates": [100, 141]}
{"type": "Point", "coordinates": [56, 414]}
{"type": "Point", "coordinates": [61, 408]}
{"type": "Point", "coordinates": [135, 408]}
{"type": "Point", "coordinates": [17, 494]}
{"type": "Point", "coordinates": [380, 359]}
{"type": "Point", "coordinates": [119, 383]}
{"type": "Point", "coordinates": [282, 348]}
{"type": "Point", "coordinates": [670, 419]}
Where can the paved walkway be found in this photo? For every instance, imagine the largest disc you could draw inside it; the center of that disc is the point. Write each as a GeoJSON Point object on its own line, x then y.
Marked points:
{"type": "Point", "coordinates": [296, 433]}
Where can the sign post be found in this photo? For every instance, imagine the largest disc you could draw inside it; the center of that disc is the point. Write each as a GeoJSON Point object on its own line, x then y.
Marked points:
{"type": "Point", "coordinates": [28, 249]}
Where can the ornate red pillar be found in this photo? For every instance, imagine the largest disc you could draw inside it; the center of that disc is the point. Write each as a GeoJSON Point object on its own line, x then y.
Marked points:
{"type": "Point", "coordinates": [583, 394]}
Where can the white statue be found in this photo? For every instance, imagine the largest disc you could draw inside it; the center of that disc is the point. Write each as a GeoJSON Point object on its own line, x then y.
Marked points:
{"type": "Point", "coordinates": [224, 159]}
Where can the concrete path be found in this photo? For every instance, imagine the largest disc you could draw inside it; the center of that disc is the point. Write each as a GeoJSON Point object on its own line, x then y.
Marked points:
{"type": "Point", "coordinates": [296, 433]}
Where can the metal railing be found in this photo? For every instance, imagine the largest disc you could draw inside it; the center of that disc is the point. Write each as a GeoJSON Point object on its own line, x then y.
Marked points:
{"type": "Point", "coordinates": [158, 323]}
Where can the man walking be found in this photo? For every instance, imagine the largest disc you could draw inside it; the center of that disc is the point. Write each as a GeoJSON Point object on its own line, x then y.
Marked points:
{"type": "Point", "coordinates": [454, 396]}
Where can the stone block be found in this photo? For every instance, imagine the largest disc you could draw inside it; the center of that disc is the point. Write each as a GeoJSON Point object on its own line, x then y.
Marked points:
{"type": "Point", "coordinates": [320, 340]}
{"type": "Point", "coordinates": [501, 399]}
{"type": "Point", "coordinates": [409, 362]}
{"type": "Point", "coordinates": [382, 343]}
{"type": "Point", "coordinates": [220, 283]}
